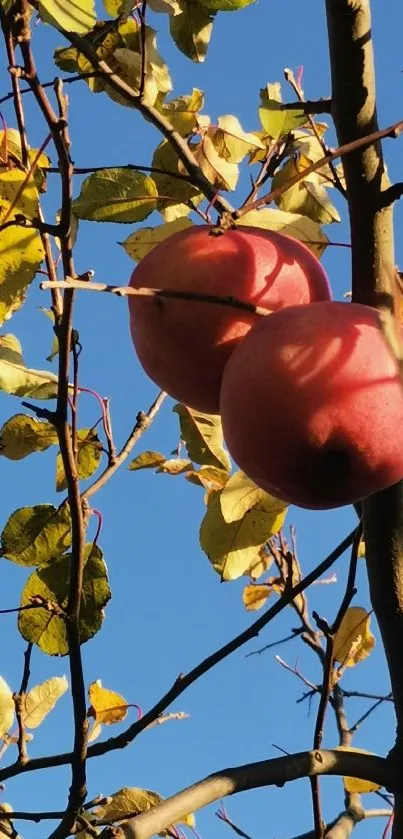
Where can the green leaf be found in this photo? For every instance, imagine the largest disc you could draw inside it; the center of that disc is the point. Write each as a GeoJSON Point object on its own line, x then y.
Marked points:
{"type": "Point", "coordinates": [71, 15]}
{"type": "Point", "coordinates": [276, 121]}
{"type": "Point", "coordinates": [127, 800]}
{"type": "Point", "coordinates": [173, 191]}
{"type": "Point", "coordinates": [292, 224]}
{"type": "Point", "coordinates": [21, 249]}
{"type": "Point", "coordinates": [231, 548]}
{"type": "Point", "coordinates": [147, 460]}
{"type": "Point", "coordinates": [118, 195]}
{"type": "Point", "coordinates": [240, 495]}
{"type": "Point", "coordinates": [51, 582]}
{"type": "Point", "coordinates": [22, 435]}
{"type": "Point", "coordinates": [88, 457]}
{"type": "Point", "coordinates": [307, 197]}
{"type": "Point", "coordinates": [170, 7]}
{"type": "Point", "coordinates": [202, 435]}
{"type": "Point", "coordinates": [36, 535]}
{"type": "Point", "coordinates": [191, 30]}
{"type": "Point", "coordinates": [182, 111]}
{"type": "Point", "coordinates": [225, 5]}
{"type": "Point", "coordinates": [145, 239]}
{"type": "Point", "coordinates": [17, 379]}
{"type": "Point", "coordinates": [66, 59]}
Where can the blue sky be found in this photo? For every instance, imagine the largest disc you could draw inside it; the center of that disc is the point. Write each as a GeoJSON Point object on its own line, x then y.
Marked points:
{"type": "Point", "coordinates": [168, 609]}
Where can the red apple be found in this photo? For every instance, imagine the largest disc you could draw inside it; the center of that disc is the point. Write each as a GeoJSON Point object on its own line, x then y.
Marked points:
{"type": "Point", "coordinates": [312, 405]}
{"type": "Point", "coordinates": [183, 345]}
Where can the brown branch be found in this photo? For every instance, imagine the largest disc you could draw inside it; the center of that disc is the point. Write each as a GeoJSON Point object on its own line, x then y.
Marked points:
{"type": "Point", "coordinates": [342, 151]}
{"type": "Point", "coordinates": [15, 93]}
{"type": "Point", "coordinates": [309, 106]}
{"type": "Point", "coordinates": [57, 124]}
{"type": "Point", "coordinates": [87, 170]}
{"type": "Point", "coordinates": [19, 701]}
{"type": "Point", "coordinates": [152, 115]}
{"type": "Point", "coordinates": [277, 771]}
{"type": "Point", "coordinates": [373, 282]}
{"type": "Point", "coordinates": [66, 80]}
{"type": "Point", "coordinates": [172, 294]}
{"type": "Point", "coordinates": [184, 681]}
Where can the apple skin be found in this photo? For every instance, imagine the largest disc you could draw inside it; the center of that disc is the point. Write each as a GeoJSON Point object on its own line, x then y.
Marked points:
{"type": "Point", "coordinates": [184, 345]}
{"type": "Point", "coordinates": [312, 405]}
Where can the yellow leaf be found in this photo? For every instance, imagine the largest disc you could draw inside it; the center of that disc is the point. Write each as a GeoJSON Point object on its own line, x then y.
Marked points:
{"type": "Point", "coordinates": [210, 477]}
{"type": "Point", "coordinates": [22, 435]}
{"type": "Point", "coordinates": [106, 706]}
{"type": "Point", "coordinates": [308, 197]}
{"type": "Point", "coordinates": [231, 548]}
{"type": "Point", "coordinates": [118, 195]}
{"type": "Point", "coordinates": [219, 172]}
{"type": "Point", "coordinates": [175, 466]}
{"type": "Point", "coordinates": [94, 732]}
{"type": "Point", "coordinates": [231, 141]}
{"type": "Point", "coordinates": [240, 494]}
{"type": "Point", "coordinates": [173, 192]}
{"type": "Point", "coordinates": [354, 640]}
{"type": "Point", "coordinates": [297, 226]}
{"type": "Point", "coordinates": [6, 707]}
{"type": "Point", "coordinates": [203, 437]}
{"type": "Point", "coordinates": [254, 597]}
{"type": "Point", "coordinates": [147, 460]}
{"type": "Point", "coordinates": [361, 549]}
{"type": "Point", "coordinates": [71, 15]}
{"type": "Point", "coordinates": [357, 785]}
{"type": "Point", "coordinates": [42, 699]}
{"type": "Point", "coordinates": [191, 29]}
{"type": "Point", "coordinates": [183, 111]}
{"type": "Point", "coordinates": [259, 565]}
{"type": "Point", "coordinates": [21, 250]}
{"type": "Point", "coordinates": [145, 239]}
{"type": "Point", "coordinates": [129, 800]}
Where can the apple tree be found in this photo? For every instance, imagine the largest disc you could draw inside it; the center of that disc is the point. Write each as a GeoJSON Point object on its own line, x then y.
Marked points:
{"type": "Point", "coordinates": [273, 386]}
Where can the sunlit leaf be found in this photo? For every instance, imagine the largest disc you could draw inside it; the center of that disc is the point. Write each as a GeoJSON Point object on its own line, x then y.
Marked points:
{"type": "Point", "coordinates": [276, 121]}
{"type": "Point", "coordinates": [354, 640]}
{"type": "Point", "coordinates": [89, 453]}
{"type": "Point", "coordinates": [47, 628]}
{"type": "Point", "coordinates": [240, 494]}
{"type": "Point", "coordinates": [7, 708]}
{"type": "Point", "coordinates": [145, 239]}
{"type": "Point", "coordinates": [127, 800]}
{"type": "Point", "coordinates": [182, 111]}
{"type": "Point", "coordinates": [232, 547]}
{"type": "Point", "coordinates": [220, 172]}
{"type": "Point", "coordinates": [202, 435]}
{"type": "Point", "coordinates": [225, 5]}
{"type": "Point", "coordinates": [292, 224]}
{"type": "Point", "coordinates": [147, 460]}
{"type": "Point", "coordinates": [209, 477]}
{"type": "Point", "coordinates": [21, 249]}
{"type": "Point", "coordinates": [357, 785]}
{"type": "Point", "coordinates": [259, 565]}
{"type": "Point", "coordinates": [41, 699]}
{"type": "Point", "coordinates": [175, 466]}
{"type": "Point", "coordinates": [255, 597]}
{"type": "Point", "coordinates": [173, 191]}
{"type": "Point", "coordinates": [106, 706]}
{"type": "Point", "coordinates": [308, 197]}
{"type": "Point", "coordinates": [191, 29]}
{"type": "Point", "coordinates": [22, 435]}
{"type": "Point", "coordinates": [118, 195]}
{"type": "Point", "coordinates": [114, 8]}
{"type": "Point", "coordinates": [36, 535]}
{"type": "Point", "coordinates": [17, 379]}
{"type": "Point", "coordinates": [231, 141]}
{"type": "Point", "coordinates": [71, 15]}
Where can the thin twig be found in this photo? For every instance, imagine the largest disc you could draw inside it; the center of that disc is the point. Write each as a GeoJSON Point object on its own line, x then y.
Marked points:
{"type": "Point", "coordinates": [185, 680]}
{"type": "Point", "coordinates": [172, 294]}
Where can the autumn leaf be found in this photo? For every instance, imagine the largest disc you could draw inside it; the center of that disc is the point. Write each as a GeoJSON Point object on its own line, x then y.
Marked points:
{"type": "Point", "coordinates": [203, 437]}
{"type": "Point", "coordinates": [118, 195]}
{"type": "Point", "coordinates": [145, 239]}
{"type": "Point", "coordinates": [240, 494]}
{"type": "Point", "coordinates": [354, 640]}
{"type": "Point", "coordinates": [106, 706]}
{"type": "Point", "coordinates": [7, 709]}
{"type": "Point", "coordinates": [71, 15]}
{"type": "Point", "coordinates": [255, 597]}
{"type": "Point", "coordinates": [41, 700]}
{"type": "Point", "coordinates": [296, 225]}
{"type": "Point", "coordinates": [357, 785]}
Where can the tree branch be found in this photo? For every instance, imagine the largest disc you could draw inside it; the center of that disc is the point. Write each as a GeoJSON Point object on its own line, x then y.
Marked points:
{"type": "Point", "coordinates": [184, 681]}
{"type": "Point", "coordinates": [277, 772]}
{"type": "Point", "coordinates": [373, 282]}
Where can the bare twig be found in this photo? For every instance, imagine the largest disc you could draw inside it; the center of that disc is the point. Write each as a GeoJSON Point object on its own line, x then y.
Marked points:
{"type": "Point", "coordinates": [19, 701]}
{"type": "Point", "coordinates": [172, 294]}
{"type": "Point", "coordinates": [185, 680]}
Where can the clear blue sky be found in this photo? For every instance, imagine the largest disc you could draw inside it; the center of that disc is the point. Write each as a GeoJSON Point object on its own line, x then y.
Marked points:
{"type": "Point", "coordinates": [168, 609]}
